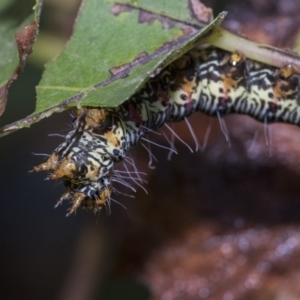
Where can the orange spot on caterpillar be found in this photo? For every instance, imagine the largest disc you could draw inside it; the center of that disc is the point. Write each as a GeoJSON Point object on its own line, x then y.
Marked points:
{"type": "Point", "coordinates": [283, 88]}
{"type": "Point", "coordinates": [228, 82]}
{"type": "Point", "coordinates": [66, 168]}
{"type": "Point", "coordinates": [236, 57]}
{"type": "Point", "coordinates": [188, 85]}
{"type": "Point", "coordinates": [287, 71]}
{"type": "Point", "coordinates": [112, 139]}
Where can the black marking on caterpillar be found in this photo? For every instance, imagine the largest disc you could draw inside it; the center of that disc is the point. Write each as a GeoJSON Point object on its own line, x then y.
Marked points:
{"type": "Point", "coordinates": [209, 80]}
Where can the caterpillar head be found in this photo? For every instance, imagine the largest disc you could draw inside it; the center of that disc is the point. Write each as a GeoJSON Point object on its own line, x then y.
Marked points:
{"type": "Point", "coordinates": [85, 160]}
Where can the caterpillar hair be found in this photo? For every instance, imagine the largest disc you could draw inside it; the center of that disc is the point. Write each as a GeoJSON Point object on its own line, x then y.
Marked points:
{"type": "Point", "coordinates": [209, 80]}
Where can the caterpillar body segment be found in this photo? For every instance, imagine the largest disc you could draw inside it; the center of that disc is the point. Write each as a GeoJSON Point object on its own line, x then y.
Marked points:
{"type": "Point", "coordinates": [209, 80]}
{"type": "Point", "coordinates": [265, 93]}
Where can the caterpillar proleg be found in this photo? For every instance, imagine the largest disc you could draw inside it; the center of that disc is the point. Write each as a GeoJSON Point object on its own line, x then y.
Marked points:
{"type": "Point", "coordinates": [209, 80]}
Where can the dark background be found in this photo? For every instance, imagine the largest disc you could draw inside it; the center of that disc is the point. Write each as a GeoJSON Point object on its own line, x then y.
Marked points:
{"type": "Point", "coordinates": [221, 192]}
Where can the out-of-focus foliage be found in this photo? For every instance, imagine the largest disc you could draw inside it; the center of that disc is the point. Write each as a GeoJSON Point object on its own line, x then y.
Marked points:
{"type": "Point", "coordinates": [18, 29]}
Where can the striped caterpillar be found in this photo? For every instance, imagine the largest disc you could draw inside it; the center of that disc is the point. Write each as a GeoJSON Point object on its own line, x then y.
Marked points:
{"type": "Point", "coordinates": [209, 80]}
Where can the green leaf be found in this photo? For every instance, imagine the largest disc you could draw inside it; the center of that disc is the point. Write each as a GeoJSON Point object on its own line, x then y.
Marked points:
{"type": "Point", "coordinates": [110, 36]}
{"type": "Point", "coordinates": [115, 48]}
{"type": "Point", "coordinates": [18, 29]}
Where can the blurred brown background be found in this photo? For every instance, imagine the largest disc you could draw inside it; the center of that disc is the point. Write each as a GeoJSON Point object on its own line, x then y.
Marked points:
{"type": "Point", "coordinates": [222, 223]}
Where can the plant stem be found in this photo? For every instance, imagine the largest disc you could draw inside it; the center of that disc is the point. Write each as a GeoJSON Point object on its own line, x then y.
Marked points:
{"type": "Point", "coordinates": [269, 55]}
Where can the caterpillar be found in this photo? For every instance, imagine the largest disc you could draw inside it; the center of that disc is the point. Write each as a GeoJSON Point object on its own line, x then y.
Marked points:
{"type": "Point", "coordinates": [208, 79]}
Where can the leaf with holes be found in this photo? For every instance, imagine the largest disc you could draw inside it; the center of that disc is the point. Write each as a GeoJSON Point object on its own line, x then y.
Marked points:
{"type": "Point", "coordinates": [115, 48]}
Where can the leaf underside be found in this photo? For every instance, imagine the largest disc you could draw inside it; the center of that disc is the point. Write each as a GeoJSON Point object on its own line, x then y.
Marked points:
{"type": "Point", "coordinates": [114, 50]}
